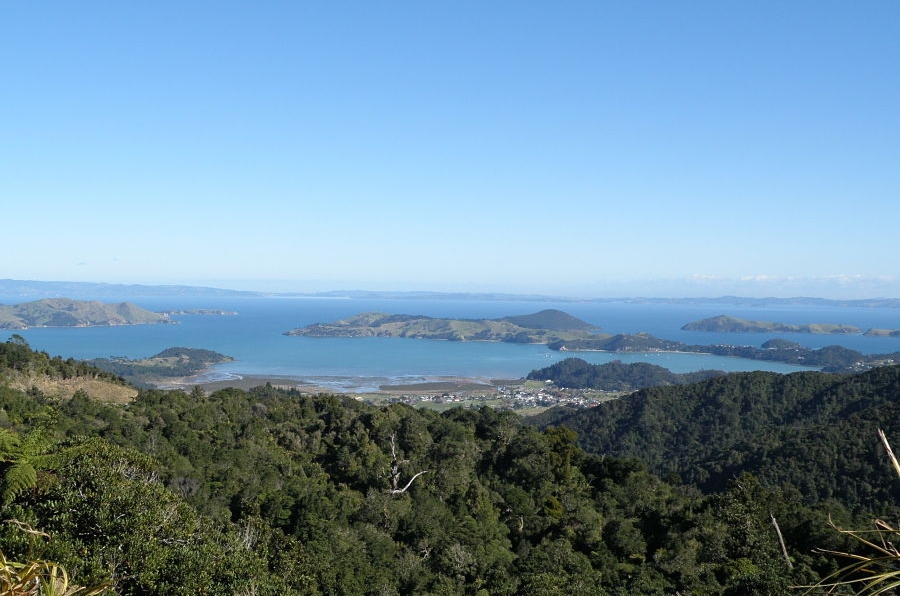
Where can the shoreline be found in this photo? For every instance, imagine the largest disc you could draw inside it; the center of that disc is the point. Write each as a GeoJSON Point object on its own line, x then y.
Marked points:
{"type": "Point", "coordinates": [376, 386]}
{"type": "Point", "coordinates": [356, 386]}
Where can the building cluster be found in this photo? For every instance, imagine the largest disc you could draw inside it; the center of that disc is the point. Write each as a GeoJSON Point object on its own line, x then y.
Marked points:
{"type": "Point", "coordinates": [525, 396]}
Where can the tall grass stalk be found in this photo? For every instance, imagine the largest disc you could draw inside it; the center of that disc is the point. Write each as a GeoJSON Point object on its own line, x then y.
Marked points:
{"type": "Point", "coordinates": [39, 578]}
{"type": "Point", "coordinates": [873, 574]}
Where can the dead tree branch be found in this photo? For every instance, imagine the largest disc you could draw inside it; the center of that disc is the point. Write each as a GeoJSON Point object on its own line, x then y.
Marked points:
{"type": "Point", "coordinates": [396, 462]}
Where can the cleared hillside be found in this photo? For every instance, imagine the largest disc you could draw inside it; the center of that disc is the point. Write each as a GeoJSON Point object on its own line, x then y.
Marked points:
{"type": "Point", "coordinates": [63, 312]}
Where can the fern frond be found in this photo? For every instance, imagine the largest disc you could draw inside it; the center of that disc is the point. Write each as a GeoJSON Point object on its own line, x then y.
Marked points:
{"type": "Point", "coordinates": [37, 442]}
{"type": "Point", "coordinates": [20, 477]}
{"type": "Point", "coordinates": [10, 447]}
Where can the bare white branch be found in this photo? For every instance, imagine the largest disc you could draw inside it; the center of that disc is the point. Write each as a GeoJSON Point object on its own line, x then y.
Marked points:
{"type": "Point", "coordinates": [397, 491]}
{"type": "Point", "coordinates": [395, 470]}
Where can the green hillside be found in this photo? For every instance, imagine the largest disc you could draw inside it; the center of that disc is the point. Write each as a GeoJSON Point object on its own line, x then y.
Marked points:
{"type": "Point", "coordinates": [575, 373]}
{"type": "Point", "coordinates": [811, 431]}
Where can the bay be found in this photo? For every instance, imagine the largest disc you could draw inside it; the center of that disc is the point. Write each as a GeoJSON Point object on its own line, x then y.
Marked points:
{"type": "Point", "coordinates": [255, 337]}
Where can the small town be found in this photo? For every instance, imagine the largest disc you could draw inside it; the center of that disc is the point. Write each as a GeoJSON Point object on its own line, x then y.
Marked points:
{"type": "Point", "coordinates": [521, 396]}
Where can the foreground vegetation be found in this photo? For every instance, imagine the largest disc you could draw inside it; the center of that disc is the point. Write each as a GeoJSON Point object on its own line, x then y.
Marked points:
{"type": "Point", "coordinates": [812, 432]}
{"type": "Point", "coordinates": [274, 492]}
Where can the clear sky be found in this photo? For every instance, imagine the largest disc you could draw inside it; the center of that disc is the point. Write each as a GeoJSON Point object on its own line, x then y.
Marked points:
{"type": "Point", "coordinates": [580, 148]}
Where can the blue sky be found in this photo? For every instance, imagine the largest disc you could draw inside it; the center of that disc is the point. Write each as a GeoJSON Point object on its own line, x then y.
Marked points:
{"type": "Point", "coordinates": [580, 148]}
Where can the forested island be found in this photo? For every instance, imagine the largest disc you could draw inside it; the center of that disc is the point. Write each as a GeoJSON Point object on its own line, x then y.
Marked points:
{"type": "Point", "coordinates": [542, 327]}
{"type": "Point", "coordinates": [63, 312]}
{"type": "Point", "coordinates": [828, 359]}
{"type": "Point", "coordinates": [162, 368]}
{"type": "Point", "coordinates": [274, 492]}
{"type": "Point", "coordinates": [575, 373]}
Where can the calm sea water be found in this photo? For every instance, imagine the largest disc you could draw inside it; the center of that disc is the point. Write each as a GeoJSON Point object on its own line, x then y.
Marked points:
{"type": "Point", "coordinates": [255, 338]}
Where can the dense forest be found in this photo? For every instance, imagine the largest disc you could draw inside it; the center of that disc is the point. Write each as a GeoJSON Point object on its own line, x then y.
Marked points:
{"type": "Point", "coordinates": [277, 492]}
{"type": "Point", "coordinates": [575, 373]}
{"type": "Point", "coordinates": [814, 432]}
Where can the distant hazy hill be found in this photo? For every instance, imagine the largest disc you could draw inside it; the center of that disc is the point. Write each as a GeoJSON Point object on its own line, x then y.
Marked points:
{"type": "Point", "coordinates": [882, 333]}
{"type": "Point", "coordinates": [552, 320]}
{"type": "Point", "coordinates": [33, 289]}
{"type": "Point", "coordinates": [63, 312]}
{"type": "Point", "coordinates": [26, 289]}
{"type": "Point", "coordinates": [726, 324]}
{"type": "Point", "coordinates": [542, 327]}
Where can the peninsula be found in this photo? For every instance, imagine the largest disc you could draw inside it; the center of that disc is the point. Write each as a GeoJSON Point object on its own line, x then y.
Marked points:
{"type": "Point", "coordinates": [835, 359]}
{"type": "Point", "coordinates": [543, 327]}
{"type": "Point", "coordinates": [164, 368]}
{"type": "Point", "coordinates": [63, 312]}
{"type": "Point", "coordinates": [726, 324]}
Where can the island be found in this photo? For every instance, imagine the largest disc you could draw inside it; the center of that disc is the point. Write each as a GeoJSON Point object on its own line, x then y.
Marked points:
{"type": "Point", "coordinates": [726, 324]}
{"type": "Point", "coordinates": [565, 333]}
{"type": "Point", "coordinates": [167, 367]}
{"type": "Point", "coordinates": [882, 333]}
{"type": "Point", "coordinates": [64, 312]}
{"type": "Point", "coordinates": [200, 311]}
{"type": "Point", "coordinates": [836, 359]}
{"type": "Point", "coordinates": [544, 327]}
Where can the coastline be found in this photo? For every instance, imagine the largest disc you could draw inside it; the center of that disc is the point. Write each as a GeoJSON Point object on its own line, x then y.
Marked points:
{"type": "Point", "coordinates": [391, 386]}
{"type": "Point", "coordinates": [355, 386]}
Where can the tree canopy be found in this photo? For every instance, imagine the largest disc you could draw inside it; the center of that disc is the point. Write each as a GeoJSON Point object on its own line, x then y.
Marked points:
{"type": "Point", "coordinates": [271, 491]}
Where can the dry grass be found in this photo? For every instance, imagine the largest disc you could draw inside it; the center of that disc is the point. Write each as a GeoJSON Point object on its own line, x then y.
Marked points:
{"type": "Point", "coordinates": [39, 578]}
{"type": "Point", "coordinates": [98, 389]}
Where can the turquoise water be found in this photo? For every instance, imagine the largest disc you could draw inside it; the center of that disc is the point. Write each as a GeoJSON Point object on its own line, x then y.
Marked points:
{"type": "Point", "coordinates": [255, 338]}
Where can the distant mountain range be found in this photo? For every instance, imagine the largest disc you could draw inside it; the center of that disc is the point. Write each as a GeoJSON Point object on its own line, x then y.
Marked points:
{"type": "Point", "coordinates": [31, 289]}
{"type": "Point", "coordinates": [27, 289]}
